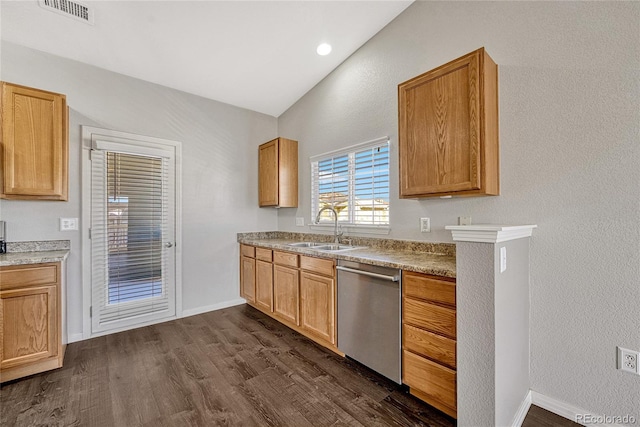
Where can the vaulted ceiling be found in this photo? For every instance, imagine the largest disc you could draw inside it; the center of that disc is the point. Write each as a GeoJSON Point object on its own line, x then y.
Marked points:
{"type": "Point", "coordinates": [259, 55]}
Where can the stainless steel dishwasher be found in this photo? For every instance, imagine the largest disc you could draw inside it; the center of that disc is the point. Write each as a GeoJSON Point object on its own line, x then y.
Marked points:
{"type": "Point", "coordinates": [369, 316]}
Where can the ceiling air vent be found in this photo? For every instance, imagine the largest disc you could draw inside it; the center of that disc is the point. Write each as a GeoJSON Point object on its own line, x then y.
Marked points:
{"type": "Point", "coordinates": [71, 9]}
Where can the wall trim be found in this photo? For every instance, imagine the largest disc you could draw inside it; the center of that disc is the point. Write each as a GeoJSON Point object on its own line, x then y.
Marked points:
{"type": "Point", "coordinates": [213, 307]}
{"type": "Point", "coordinates": [565, 410]}
{"type": "Point", "coordinates": [75, 337]}
{"type": "Point", "coordinates": [489, 233]}
{"type": "Point", "coordinates": [522, 410]}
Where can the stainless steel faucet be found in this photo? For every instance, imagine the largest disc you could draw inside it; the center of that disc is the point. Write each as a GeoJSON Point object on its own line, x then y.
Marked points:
{"type": "Point", "coordinates": [336, 235]}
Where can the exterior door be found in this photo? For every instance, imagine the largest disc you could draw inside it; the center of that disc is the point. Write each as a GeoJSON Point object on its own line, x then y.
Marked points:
{"type": "Point", "coordinates": [133, 262]}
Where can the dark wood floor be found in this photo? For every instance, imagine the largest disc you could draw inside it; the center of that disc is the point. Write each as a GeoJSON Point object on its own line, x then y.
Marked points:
{"type": "Point", "coordinates": [229, 367]}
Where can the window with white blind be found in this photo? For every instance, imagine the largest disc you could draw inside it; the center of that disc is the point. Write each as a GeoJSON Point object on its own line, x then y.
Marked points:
{"type": "Point", "coordinates": [354, 182]}
{"type": "Point", "coordinates": [132, 234]}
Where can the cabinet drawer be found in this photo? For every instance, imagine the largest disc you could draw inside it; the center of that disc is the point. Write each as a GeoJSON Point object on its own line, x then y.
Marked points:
{"type": "Point", "coordinates": [433, 346]}
{"type": "Point", "coordinates": [28, 275]}
{"type": "Point", "coordinates": [285, 258]}
{"type": "Point", "coordinates": [263, 254]}
{"type": "Point", "coordinates": [441, 320]}
{"type": "Point", "coordinates": [428, 288]}
{"type": "Point", "coordinates": [249, 251]}
{"type": "Point", "coordinates": [436, 384]}
{"type": "Point", "coordinates": [317, 265]}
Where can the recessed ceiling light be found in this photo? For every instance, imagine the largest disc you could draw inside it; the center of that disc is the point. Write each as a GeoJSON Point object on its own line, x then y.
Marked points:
{"type": "Point", "coordinates": [324, 49]}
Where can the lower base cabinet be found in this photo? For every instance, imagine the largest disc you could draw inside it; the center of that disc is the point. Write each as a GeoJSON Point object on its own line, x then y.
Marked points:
{"type": "Point", "coordinates": [297, 290]}
{"type": "Point", "coordinates": [317, 305]}
{"type": "Point", "coordinates": [30, 320]}
{"type": "Point", "coordinates": [286, 294]}
{"type": "Point", "coordinates": [429, 339]}
{"type": "Point", "coordinates": [264, 285]}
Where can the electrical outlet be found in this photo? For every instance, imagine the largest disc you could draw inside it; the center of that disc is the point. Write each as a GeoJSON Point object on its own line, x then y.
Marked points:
{"type": "Point", "coordinates": [503, 259]}
{"type": "Point", "coordinates": [425, 225]}
{"type": "Point", "coordinates": [464, 220]}
{"type": "Point", "coordinates": [628, 360]}
{"type": "Point", "coordinates": [68, 224]}
{"type": "Point", "coordinates": [300, 221]}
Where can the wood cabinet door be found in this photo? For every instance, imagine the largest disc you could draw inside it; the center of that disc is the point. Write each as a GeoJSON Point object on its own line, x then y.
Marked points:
{"type": "Point", "coordinates": [447, 129]}
{"type": "Point", "coordinates": [268, 174]}
{"type": "Point", "coordinates": [317, 302]}
{"type": "Point", "coordinates": [248, 278]}
{"type": "Point", "coordinates": [286, 294]}
{"type": "Point", "coordinates": [34, 136]}
{"type": "Point", "coordinates": [28, 325]}
{"type": "Point", "coordinates": [264, 285]}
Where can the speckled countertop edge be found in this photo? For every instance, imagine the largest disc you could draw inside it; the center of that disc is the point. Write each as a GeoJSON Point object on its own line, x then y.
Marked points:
{"type": "Point", "coordinates": [35, 252]}
{"type": "Point", "coordinates": [437, 264]}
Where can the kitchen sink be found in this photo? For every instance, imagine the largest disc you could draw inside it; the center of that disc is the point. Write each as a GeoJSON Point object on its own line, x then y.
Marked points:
{"type": "Point", "coordinates": [334, 247]}
{"type": "Point", "coordinates": [330, 247]}
{"type": "Point", "coordinates": [304, 244]}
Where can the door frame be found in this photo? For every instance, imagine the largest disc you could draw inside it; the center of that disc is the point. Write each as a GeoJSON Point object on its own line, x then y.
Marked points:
{"type": "Point", "coordinates": [89, 133]}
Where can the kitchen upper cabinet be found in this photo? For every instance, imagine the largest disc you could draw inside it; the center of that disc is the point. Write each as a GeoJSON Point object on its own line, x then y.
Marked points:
{"type": "Point", "coordinates": [278, 173]}
{"type": "Point", "coordinates": [30, 320]}
{"type": "Point", "coordinates": [35, 146]}
{"type": "Point", "coordinates": [448, 130]}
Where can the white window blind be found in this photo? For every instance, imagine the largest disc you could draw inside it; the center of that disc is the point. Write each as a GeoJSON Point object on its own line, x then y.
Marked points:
{"type": "Point", "coordinates": [130, 218]}
{"type": "Point", "coordinates": [355, 182]}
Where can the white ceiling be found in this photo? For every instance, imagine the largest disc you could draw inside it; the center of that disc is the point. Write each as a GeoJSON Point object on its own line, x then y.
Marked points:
{"type": "Point", "coordinates": [259, 55]}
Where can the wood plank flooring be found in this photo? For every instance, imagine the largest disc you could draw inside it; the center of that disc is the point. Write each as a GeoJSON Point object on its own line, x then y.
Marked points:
{"type": "Point", "coordinates": [229, 367]}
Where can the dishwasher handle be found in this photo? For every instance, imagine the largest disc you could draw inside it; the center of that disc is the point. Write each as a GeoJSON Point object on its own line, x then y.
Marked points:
{"type": "Point", "coordinates": [395, 278]}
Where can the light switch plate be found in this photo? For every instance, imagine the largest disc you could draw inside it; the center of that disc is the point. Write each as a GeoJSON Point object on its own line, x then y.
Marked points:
{"type": "Point", "coordinates": [68, 224]}
{"type": "Point", "coordinates": [300, 221]}
{"type": "Point", "coordinates": [464, 220]}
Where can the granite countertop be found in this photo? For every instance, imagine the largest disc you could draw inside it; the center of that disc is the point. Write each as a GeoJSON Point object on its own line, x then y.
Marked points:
{"type": "Point", "coordinates": [438, 259]}
{"type": "Point", "coordinates": [36, 252]}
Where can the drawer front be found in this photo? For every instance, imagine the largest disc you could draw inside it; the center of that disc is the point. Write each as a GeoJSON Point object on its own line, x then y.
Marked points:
{"type": "Point", "coordinates": [285, 258]}
{"type": "Point", "coordinates": [29, 275]}
{"type": "Point", "coordinates": [263, 254]}
{"type": "Point", "coordinates": [249, 251]}
{"type": "Point", "coordinates": [434, 318]}
{"type": "Point", "coordinates": [317, 265]}
{"type": "Point", "coordinates": [428, 288]}
{"type": "Point", "coordinates": [435, 382]}
{"type": "Point", "coordinates": [432, 346]}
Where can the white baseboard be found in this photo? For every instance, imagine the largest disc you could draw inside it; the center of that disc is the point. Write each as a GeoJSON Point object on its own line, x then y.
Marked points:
{"type": "Point", "coordinates": [75, 338]}
{"type": "Point", "coordinates": [213, 307]}
{"type": "Point", "coordinates": [522, 411]}
{"type": "Point", "coordinates": [568, 411]}
{"type": "Point", "coordinates": [185, 313]}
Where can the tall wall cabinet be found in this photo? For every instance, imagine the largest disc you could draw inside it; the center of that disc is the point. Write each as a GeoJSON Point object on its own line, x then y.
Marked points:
{"type": "Point", "coordinates": [448, 130]}
{"type": "Point", "coordinates": [35, 145]}
{"type": "Point", "coordinates": [278, 173]}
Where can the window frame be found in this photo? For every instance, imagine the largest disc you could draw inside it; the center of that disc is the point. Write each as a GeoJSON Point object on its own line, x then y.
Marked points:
{"type": "Point", "coordinates": [350, 152]}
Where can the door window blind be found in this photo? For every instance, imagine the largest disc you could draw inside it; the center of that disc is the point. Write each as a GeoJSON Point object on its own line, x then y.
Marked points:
{"type": "Point", "coordinates": [355, 182]}
{"type": "Point", "coordinates": [130, 219]}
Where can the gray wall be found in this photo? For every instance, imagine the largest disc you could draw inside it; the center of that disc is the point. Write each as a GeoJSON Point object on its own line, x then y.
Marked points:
{"type": "Point", "coordinates": [219, 181]}
{"type": "Point", "coordinates": [511, 304]}
{"type": "Point", "coordinates": [570, 162]}
{"type": "Point", "coordinates": [476, 335]}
